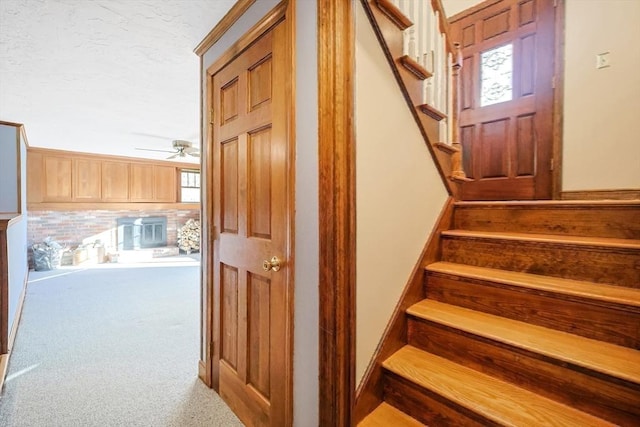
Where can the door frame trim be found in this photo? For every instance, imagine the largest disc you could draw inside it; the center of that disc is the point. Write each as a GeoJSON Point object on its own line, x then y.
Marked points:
{"type": "Point", "coordinates": [337, 226]}
{"type": "Point", "coordinates": [208, 370]}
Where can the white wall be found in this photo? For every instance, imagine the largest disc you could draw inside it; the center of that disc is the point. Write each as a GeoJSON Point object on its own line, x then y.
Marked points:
{"type": "Point", "coordinates": [305, 346]}
{"type": "Point", "coordinates": [602, 106]}
{"type": "Point", "coordinates": [8, 169]}
{"type": "Point", "coordinates": [399, 193]}
{"type": "Point", "coordinates": [306, 349]}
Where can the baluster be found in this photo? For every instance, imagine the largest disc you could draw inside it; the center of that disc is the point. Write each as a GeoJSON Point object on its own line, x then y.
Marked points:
{"type": "Point", "coordinates": [412, 30]}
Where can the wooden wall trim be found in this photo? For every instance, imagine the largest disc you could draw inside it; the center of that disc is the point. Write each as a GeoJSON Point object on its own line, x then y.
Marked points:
{"type": "Point", "coordinates": [369, 393]}
{"type": "Point", "coordinates": [108, 157]}
{"type": "Point", "coordinates": [94, 206]}
{"type": "Point", "coordinates": [227, 21]}
{"type": "Point", "coordinates": [622, 194]}
{"type": "Point", "coordinates": [337, 212]}
{"type": "Point", "coordinates": [271, 19]}
{"type": "Point", "coordinates": [472, 9]}
{"type": "Point", "coordinates": [558, 102]}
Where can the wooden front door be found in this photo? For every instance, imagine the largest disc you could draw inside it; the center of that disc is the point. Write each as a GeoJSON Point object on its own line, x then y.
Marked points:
{"type": "Point", "coordinates": [506, 98]}
{"type": "Point", "coordinates": [251, 221]}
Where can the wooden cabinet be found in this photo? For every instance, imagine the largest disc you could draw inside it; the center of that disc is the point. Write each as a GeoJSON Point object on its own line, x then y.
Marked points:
{"type": "Point", "coordinates": [87, 177]}
{"type": "Point", "coordinates": [141, 182]}
{"type": "Point", "coordinates": [57, 179]}
{"type": "Point", "coordinates": [115, 182]}
{"type": "Point", "coordinates": [60, 177]}
{"type": "Point", "coordinates": [164, 183]}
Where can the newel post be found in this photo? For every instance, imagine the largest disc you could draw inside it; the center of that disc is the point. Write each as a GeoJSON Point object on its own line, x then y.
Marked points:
{"type": "Point", "coordinates": [457, 170]}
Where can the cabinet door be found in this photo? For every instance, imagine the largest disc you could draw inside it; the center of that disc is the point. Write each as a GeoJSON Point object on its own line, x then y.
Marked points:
{"type": "Point", "coordinates": [35, 177]}
{"type": "Point", "coordinates": [87, 176]}
{"type": "Point", "coordinates": [165, 183]}
{"type": "Point", "coordinates": [57, 179]}
{"type": "Point", "coordinates": [141, 183]}
{"type": "Point", "coordinates": [115, 182]}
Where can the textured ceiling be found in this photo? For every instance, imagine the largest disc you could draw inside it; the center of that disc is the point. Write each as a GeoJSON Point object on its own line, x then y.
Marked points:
{"type": "Point", "coordinates": [104, 76]}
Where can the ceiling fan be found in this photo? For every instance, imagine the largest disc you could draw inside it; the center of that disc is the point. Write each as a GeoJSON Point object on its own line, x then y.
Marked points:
{"type": "Point", "coordinates": [181, 148]}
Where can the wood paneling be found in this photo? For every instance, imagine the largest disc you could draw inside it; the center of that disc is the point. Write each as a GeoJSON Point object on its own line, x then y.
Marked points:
{"type": "Point", "coordinates": [35, 174]}
{"type": "Point", "coordinates": [115, 182]}
{"type": "Point", "coordinates": [337, 215]}
{"type": "Point", "coordinates": [259, 191]}
{"type": "Point", "coordinates": [141, 182]}
{"type": "Point", "coordinates": [259, 325]}
{"type": "Point", "coordinates": [525, 146]}
{"type": "Point", "coordinates": [494, 162]}
{"type": "Point", "coordinates": [229, 186]}
{"type": "Point", "coordinates": [57, 179]}
{"type": "Point", "coordinates": [87, 176]}
{"type": "Point", "coordinates": [260, 83]}
{"type": "Point", "coordinates": [229, 101]}
{"type": "Point", "coordinates": [68, 180]}
{"type": "Point", "coordinates": [229, 315]}
{"type": "Point", "coordinates": [165, 179]}
{"type": "Point", "coordinates": [495, 24]}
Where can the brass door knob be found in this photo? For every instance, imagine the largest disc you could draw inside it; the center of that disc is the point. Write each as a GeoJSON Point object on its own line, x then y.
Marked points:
{"type": "Point", "coordinates": [274, 264]}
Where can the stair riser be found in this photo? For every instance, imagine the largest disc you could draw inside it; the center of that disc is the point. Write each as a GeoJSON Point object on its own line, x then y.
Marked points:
{"type": "Point", "coordinates": [590, 392]}
{"type": "Point", "coordinates": [605, 322]}
{"type": "Point", "coordinates": [601, 265]}
{"type": "Point", "coordinates": [430, 409]}
{"type": "Point", "coordinates": [590, 220]}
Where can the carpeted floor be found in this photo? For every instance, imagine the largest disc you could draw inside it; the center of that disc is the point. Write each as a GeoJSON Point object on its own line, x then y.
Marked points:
{"type": "Point", "coordinates": [110, 347]}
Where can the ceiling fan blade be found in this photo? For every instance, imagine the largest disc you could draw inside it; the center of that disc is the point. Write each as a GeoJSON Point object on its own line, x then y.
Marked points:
{"type": "Point", "coordinates": [194, 154]}
{"type": "Point", "coordinates": [151, 149]}
{"type": "Point", "coordinates": [175, 155]}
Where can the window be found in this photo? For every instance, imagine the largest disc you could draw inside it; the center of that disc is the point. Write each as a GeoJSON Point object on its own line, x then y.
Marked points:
{"type": "Point", "coordinates": [189, 186]}
{"type": "Point", "coordinates": [496, 72]}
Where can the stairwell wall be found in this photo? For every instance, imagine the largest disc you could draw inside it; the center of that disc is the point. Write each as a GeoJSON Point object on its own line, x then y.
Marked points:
{"type": "Point", "coordinates": [399, 193]}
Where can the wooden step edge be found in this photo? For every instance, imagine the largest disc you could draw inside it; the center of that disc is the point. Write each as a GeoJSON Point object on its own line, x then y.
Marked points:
{"type": "Point", "coordinates": [544, 204]}
{"type": "Point", "coordinates": [461, 178]}
{"type": "Point", "coordinates": [414, 67]}
{"type": "Point", "coordinates": [386, 415]}
{"type": "Point", "coordinates": [607, 242]}
{"type": "Point", "coordinates": [433, 113]}
{"type": "Point", "coordinates": [597, 356]}
{"type": "Point", "coordinates": [446, 148]}
{"type": "Point", "coordinates": [392, 12]}
{"type": "Point", "coordinates": [492, 399]}
{"type": "Point", "coordinates": [598, 293]}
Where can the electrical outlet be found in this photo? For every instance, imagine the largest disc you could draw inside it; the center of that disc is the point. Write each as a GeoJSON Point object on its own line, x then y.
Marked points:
{"type": "Point", "coordinates": [603, 60]}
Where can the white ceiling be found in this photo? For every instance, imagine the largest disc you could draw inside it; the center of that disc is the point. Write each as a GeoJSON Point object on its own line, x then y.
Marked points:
{"type": "Point", "coordinates": [104, 76]}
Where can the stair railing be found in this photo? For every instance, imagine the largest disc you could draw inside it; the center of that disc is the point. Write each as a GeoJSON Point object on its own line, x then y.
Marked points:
{"type": "Point", "coordinates": [429, 53]}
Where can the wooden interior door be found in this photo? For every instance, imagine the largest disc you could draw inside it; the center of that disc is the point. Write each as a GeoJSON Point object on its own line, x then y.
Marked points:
{"type": "Point", "coordinates": [506, 99]}
{"type": "Point", "coordinates": [252, 306]}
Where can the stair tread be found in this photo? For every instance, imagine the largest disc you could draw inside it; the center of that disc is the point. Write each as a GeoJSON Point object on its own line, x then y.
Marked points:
{"type": "Point", "coordinates": [609, 359]}
{"type": "Point", "coordinates": [548, 238]}
{"type": "Point", "coordinates": [395, 14]}
{"type": "Point", "coordinates": [597, 291]}
{"type": "Point", "coordinates": [548, 203]}
{"type": "Point", "coordinates": [497, 400]}
{"type": "Point", "coordinates": [386, 415]}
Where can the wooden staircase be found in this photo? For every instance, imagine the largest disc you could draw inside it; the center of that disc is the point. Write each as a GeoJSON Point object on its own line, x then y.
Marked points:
{"type": "Point", "coordinates": [531, 317]}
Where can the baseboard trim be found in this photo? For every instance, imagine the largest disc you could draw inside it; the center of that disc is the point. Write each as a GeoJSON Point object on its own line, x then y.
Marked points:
{"type": "Point", "coordinates": [202, 373]}
{"type": "Point", "coordinates": [4, 359]}
{"type": "Point", "coordinates": [18, 316]}
{"type": "Point", "coordinates": [623, 194]}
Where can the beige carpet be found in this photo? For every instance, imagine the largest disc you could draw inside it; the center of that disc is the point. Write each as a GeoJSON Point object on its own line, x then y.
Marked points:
{"type": "Point", "coordinates": [110, 347]}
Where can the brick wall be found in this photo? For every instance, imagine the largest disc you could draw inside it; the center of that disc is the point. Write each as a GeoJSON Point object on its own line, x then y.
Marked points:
{"type": "Point", "coordinates": [72, 228]}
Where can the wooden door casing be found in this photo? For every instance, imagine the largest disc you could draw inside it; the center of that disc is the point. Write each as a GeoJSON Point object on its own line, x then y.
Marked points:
{"type": "Point", "coordinates": [507, 146]}
{"type": "Point", "coordinates": [251, 221]}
